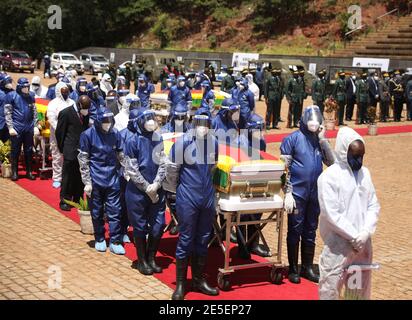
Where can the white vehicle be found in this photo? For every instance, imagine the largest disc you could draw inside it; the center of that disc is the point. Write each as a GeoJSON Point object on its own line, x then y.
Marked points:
{"type": "Point", "coordinates": [66, 61]}
{"type": "Point", "coordinates": [94, 63]}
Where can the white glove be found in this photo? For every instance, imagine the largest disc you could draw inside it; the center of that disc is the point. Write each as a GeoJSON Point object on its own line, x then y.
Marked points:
{"type": "Point", "coordinates": [289, 203]}
{"type": "Point", "coordinates": [360, 241]}
{"type": "Point", "coordinates": [36, 131]}
{"type": "Point", "coordinates": [88, 190]}
{"type": "Point", "coordinates": [321, 132]}
{"type": "Point", "coordinates": [151, 191]}
{"type": "Point", "coordinates": [12, 132]}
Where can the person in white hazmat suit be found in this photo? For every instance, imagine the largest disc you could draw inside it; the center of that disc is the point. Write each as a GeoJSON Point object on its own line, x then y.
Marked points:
{"type": "Point", "coordinates": [349, 214]}
{"type": "Point", "coordinates": [59, 103]}
{"type": "Point", "coordinates": [253, 86]}
{"type": "Point", "coordinates": [121, 119]}
{"type": "Point", "coordinates": [106, 84]}
{"type": "Point", "coordinates": [37, 88]}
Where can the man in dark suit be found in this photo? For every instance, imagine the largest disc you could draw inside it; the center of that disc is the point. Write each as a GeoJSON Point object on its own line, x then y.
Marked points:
{"type": "Point", "coordinates": [373, 82]}
{"type": "Point", "coordinates": [72, 121]}
{"type": "Point", "coordinates": [350, 96]}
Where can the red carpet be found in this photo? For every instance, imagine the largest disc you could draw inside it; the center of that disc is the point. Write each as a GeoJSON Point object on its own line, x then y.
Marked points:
{"type": "Point", "coordinates": [252, 284]}
{"type": "Point", "coordinates": [278, 137]}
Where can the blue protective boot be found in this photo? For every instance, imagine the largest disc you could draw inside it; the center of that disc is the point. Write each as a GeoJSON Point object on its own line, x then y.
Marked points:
{"type": "Point", "coordinates": [126, 239]}
{"type": "Point", "coordinates": [56, 184]}
{"type": "Point", "coordinates": [117, 248]}
{"type": "Point", "coordinates": [100, 246]}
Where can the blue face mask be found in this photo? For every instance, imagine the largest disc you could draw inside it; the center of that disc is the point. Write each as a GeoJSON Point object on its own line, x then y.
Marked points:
{"type": "Point", "coordinates": [355, 162]}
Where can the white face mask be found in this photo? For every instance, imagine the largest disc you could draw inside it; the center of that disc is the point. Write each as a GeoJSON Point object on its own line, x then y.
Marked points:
{"type": "Point", "coordinates": [150, 125]}
{"type": "Point", "coordinates": [169, 84]}
{"type": "Point", "coordinates": [8, 86]}
{"type": "Point", "coordinates": [201, 131]}
{"type": "Point", "coordinates": [181, 84]}
{"type": "Point", "coordinates": [122, 100]}
{"type": "Point", "coordinates": [106, 126]}
{"type": "Point", "coordinates": [25, 90]}
{"type": "Point", "coordinates": [354, 77]}
{"type": "Point", "coordinates": [241, 87]}
{"type": "Point", "coordinates": [179, 122]}
{"type": "Point", "coordinates": [84, 112]}
{"type": "Point", "coordinates": [376, 78]}
{"type": "Point", "coordinates": [237, 84]}
{"type": "Point", "coordinates": [197, 79]}
{"type": "Point", "coordinates": [236, 116]}
{"type": "Point", "coordinates": [313, 125]}
{"type": "Point", "coordinates": [82, 88]}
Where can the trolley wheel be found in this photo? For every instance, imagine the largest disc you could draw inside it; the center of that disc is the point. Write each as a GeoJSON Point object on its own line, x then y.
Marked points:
{"type": "Point", "coordinates": [223, 282]}
{"type": "Point", "coordinates": [276, 275]}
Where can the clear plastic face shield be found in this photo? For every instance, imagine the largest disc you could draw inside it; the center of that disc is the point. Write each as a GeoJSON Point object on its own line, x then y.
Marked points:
{"type": "Point", "coordinates": [149, 119]}
{"type": "Point", "coordinates": [133, 103]}
{"type": "Point", "coordinates": [107, 121]}
{"type": "Point", "coordinates": [25, 89]}
{"type": "Point", "coordinates": [93, 93]}
{"type": "Point", "coordinates": [122, 96]}
{"type": "Point", "coordinates": [201, 124]}
{"type": "Point", "coordinates": [313, 118]}
{"type": "Point", "coordinates": [169, 83]}
{"type": "Point", "coordinates": [234, 113]}
{"type": "Point", "coordinates": [8, 83]}
{"type": "Point", "coordinates": [82, 85]}
{"type": "Point", "coordinates": [179, 118]}
{"type": "Point", "coordinates": [182, 83]}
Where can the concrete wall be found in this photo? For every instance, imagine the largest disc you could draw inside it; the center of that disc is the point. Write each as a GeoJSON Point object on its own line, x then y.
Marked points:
{"type": "Point", "coordinates": [122, 55]}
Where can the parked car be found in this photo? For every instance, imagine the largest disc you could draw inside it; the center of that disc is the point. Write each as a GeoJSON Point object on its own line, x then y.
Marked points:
{"type": "Point", "coordinates": [66, 61]}
{"type": "Point", "coordinates": [16, 61]}
{"type": "Point", "coordinates": [94, 63]}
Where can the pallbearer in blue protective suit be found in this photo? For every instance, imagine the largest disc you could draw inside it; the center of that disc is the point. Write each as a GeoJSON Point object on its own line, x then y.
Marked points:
{"type": "Point", "coordinates": [207, 104]}
{"type": "Point", "coordinates": [192, 159]}
{"type": "Point", "coordinates": [80, 89]}
{"type": "Point", "coordinates": [177, 124]}
{"type": "Point", "coordinates": [226, 122]}
{"type": "Point", "coordinates": [145, 88]}
{"type": "Point", "coordinates": [303, 152]}
{"type": "Point", "coordinates": [126, 134]}
{"type": "Point", "coordinates": [246, 100]}
{"type": "Point", "coordinates": [97, 101]}
{"type": "Point", "coordinates": [179, 92]}
{"type": "Point", "coordinates": [145, 197]}
{"type": "Point", "coordinates": [101, 153]}
{"type": "Point", "coordinates": [21, 119]}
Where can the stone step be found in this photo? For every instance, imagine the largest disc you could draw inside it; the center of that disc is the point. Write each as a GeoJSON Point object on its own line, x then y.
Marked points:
{"type": "Point", "coordinates": [383, 52]}
{"type": "Point", "coordinates": [401, 35]}
{"type": "Point", "coordinates": [393, 41]}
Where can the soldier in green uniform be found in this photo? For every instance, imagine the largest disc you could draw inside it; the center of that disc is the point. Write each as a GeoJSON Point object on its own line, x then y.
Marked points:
{"type": "Point", "coordinates": [339, 94]}
{"type": "Point", "coordinates": [295, 92]}
{"type": "Point", "coordinates": [385, 97]}
{"type": "Point", "coordinates": [318, 90]}
{"type": "Point", "coordinates": [273, 96]}
{"type": "Point", "coordinates": [228, 83]}
{"type": "Point", "coordinates": [362, 98]}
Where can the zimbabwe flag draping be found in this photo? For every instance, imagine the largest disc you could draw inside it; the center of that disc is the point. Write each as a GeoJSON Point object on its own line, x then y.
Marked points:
{"type": "Point", "coordinates": [41, 106]}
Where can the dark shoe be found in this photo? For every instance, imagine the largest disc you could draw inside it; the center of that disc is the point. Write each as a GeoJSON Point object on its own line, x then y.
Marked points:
{"type": "Point", "coordinates": [275, 127]}
{"type": "Point", "coordinates": [199, 283]}
{"type": "Point", "coordinates": [64, 206]}
{"type": "Point", "coordinates": [152, 246]}
{"type": "Point", "coordinates": [142, 264]}
{"type": "Point", "coordinates": [29, 175]}
{"type": "Point", "coordinates": [181, 277]}
{"type": "Point", "coordinates": [293, 256]}
{"type": "Point", "coordinates": [280, 120]}
{"type": "Point", "coordinates": [256, 248]}
{"type": "Point", "coordinates": [307, 272]}
{"type": "Point", "coordinates": [14, 169]}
